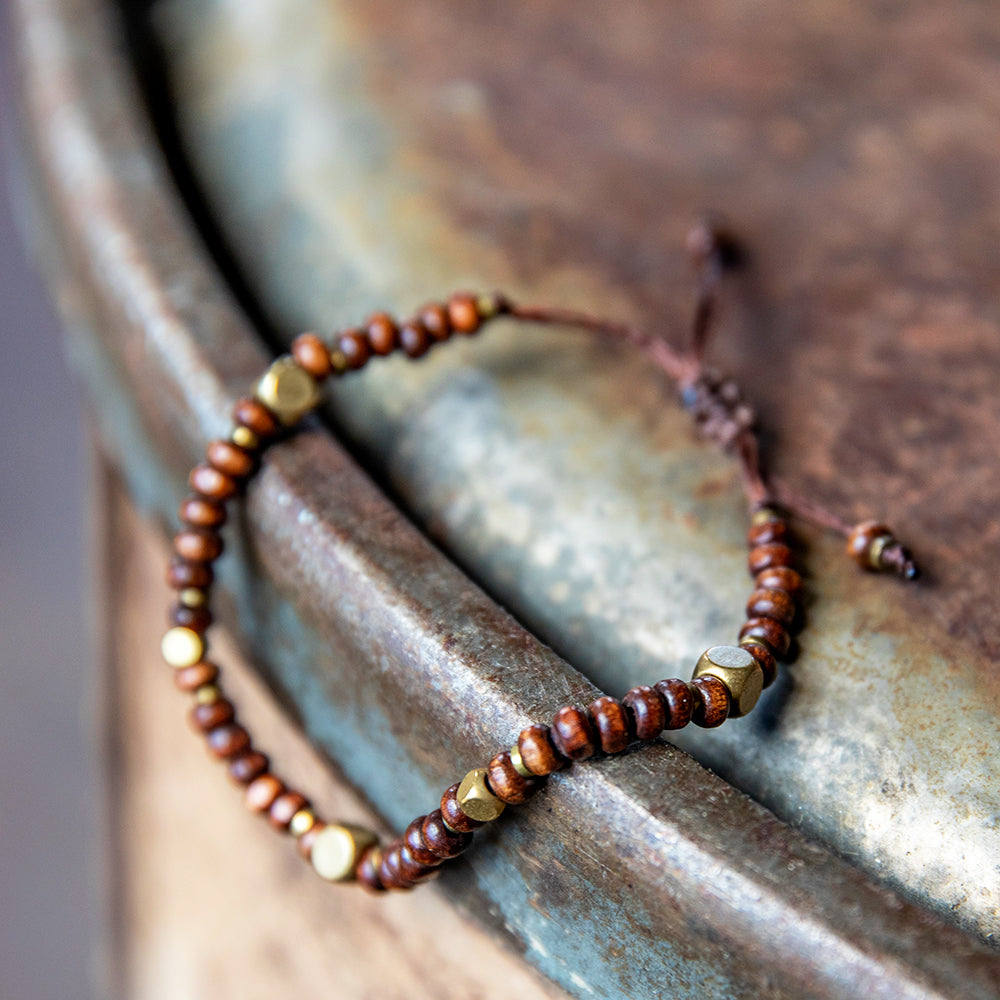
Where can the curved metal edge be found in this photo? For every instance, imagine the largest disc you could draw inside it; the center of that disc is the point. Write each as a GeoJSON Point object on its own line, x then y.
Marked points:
{"type": "Point", "coordinates": [669, 878]}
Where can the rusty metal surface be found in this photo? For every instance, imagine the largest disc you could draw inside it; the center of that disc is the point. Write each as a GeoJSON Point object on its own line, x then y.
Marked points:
{"type": "Point", "coordinates": [359, 161]}
{"type": "Point", "coordinates": [636, 876]}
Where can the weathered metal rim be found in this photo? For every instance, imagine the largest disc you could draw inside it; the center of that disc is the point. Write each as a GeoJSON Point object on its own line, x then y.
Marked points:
{"type": "Point", "coordinates": [131, 264]}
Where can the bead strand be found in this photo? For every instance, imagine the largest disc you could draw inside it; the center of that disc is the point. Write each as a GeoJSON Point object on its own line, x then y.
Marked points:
{"type": "Point", "coordinates": [726, 683]}
{"type": "Point", "coordinates": [286, 393]}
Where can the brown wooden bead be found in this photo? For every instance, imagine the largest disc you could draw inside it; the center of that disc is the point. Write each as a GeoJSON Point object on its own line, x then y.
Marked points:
{"type": "Point", "coordinates": [452, 813]}
{"type": "Point", "coordinates": [367, 870]}
{"type": "Point", "coordinates": [774, 604]}
{"type": "Point", "coordinates": [255, 416]}
{"type": "Point", "coordinates": [354, 346]}
{"type": "Point", "coordinates": [572, 733]}
{"type": "Point", "coordinates": [230, 459]}
{"type": "Point", "coordinates": [304, 843]}
{"type": "Point", "coordinates": [262, 791]}
{"type": "Point", "coordinates": [505, 783]}
{"type": "Point", "coordinates": [390, 871]}
{"type": "Point", "coordinates": [773, 633]}
{"type": "Point", "coordinates": [196, 619]}
{"type": "Point", "coordinates": [763, 655]}
{"type": "Point", "coordinates": [440, 840]}
{"type": "Point", "coordinates": [647, 713]}
{"type": "Point", "coordinates": [226, 742]}
{"type": "Point", "coordinates": [409, 868]}
{"type": "Point", "coordinates": [434, 319]}
{"type": "Point", "coordinates": [413, 869]}
{"type": "Point", "coordinates": [463, 313]}
{"type": "Point", "coordinates": [189, 679]}
{"type": "Point", "coordinates": [312, 355]}
{"type": "Point", "coordinates": [539, 752]}
{"type": "Point", "coordinates": [861, 538]}
{"type": "Point", "coordinates": [711, 702]}
{"type": "Point", "coordinates": [413, 837]}
{"type": "Point", "coordinates": [765, 556]}
{"type": "Point", "coordinates": [198, 545]}
{"type": "Point", "coordinates": [414, 339]}
{"type": "Point", "coordinates": [383, 336]}
{"type": "Point", "coordinates": [611, 722]}
{"type": "Point", "coordinates": [284, 807]}
{"type": "Point", "coordinates": [248, 767]}
{"type": "Point", "coordinates": [215, 713]}
{"type": "Point", "coordinates": [182, 574]}
{"type": "Point", "coordinates": [779, 578]}
{"type": "Point", "coordinates": [677, 702]}
{"type": "Point", "coordinates": [770, 531]}
{"type": "Point", "coordinates": [211, 483]}
{"type": "Point", "coordinates": [202, 513]}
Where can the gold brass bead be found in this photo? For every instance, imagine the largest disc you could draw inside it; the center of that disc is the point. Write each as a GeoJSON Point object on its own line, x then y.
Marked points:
{"type": "Point", "coordinates": [182, 647]}
{"type": "Point", "coordinates": [193, 597]}
{"type": "Point", "coordinates": [738, 670]}
{"type": "Point", "coordinates": [877, 547]}
{"type": "Point", "coordinates": [518, 761]}
{"type": "Point", "coordinates": [765, 516]}
{"type": "Point", "coordinates": [302, 822]}
{"type": "Point", "coordinates": [486, 306]}
{"type": "Point", "coordinates": [339, 362]}
{"type": "Point", "coordinates": [287, 390]}
{"type": "Point", "coordinates": [207, 694]}
{"type": "Point", "coordinates": [337, 848]}
{"type": "Point", "coordinates": [475, 798]}
{"type": "Point", "coordinates": [245, 438]}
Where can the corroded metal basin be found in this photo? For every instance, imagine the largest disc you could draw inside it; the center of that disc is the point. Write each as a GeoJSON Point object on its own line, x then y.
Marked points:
{"type": "Point", "coordinates": [351, 169]}
{"type": "Point", "coordinates": [354, 159]}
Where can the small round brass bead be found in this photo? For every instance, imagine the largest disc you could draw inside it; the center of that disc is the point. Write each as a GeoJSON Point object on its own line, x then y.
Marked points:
{"type": "Point", "coordinates": [339, 362]}
{"type": "Point", "coordinates": [765, 515]}
{"type": "Point", "coordinates": [302, 822]}
{"type": "Point", "coordinates": [338, 848]}
{"type": "Point", "coordinates": [287, 390]}
{"type": "Point", "coordinates": [207, 694]}
{"type": "Point", "coordinates": [182, 647]}
{"type": "Point", "coordinates": [475, 798]}
{"type": "Point", "coordinates": [488, 306]}
{"type": "Point", "coordinates": [193, 597]}
{"type": "Point", "coordinates": [877, 547]}
{"type": "Point", "coordinates": [519, 765]}
{"type": "Point", "coordinates": [245, 438]}
{"type": "Point", "coordinates": [738, 670]}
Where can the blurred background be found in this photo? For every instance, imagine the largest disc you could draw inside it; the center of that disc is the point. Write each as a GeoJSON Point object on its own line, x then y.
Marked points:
{"type": "Point", "coordinates": [48, 776]}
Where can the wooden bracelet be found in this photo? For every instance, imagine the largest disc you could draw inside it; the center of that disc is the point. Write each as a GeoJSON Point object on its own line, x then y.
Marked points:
{"type": "Point", "coordinates": [727, 680]}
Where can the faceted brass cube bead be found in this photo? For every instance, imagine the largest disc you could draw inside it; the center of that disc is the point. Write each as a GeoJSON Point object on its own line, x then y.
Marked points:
{"type": "Point", "coordinates": [337, 848]}
{"type": "Point", "coordinates": [738, 670]}
{"type": "Point", "coordinates": [475, 798]}
{"type": "Point", "coordinates": [288, 391]}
